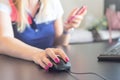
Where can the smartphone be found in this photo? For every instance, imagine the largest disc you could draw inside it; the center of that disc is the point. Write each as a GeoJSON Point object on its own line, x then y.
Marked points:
{"type": "Point", "coordinates": [79, 12]}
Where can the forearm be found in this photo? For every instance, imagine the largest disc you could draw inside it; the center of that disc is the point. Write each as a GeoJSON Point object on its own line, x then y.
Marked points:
{"type": "Point", "coordinates": [16, 48]}
{"type": "Point", "coordinates": [63, 40]}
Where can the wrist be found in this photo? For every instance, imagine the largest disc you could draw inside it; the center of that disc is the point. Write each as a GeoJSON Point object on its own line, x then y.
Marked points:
{"type": "Point", "coordinates": [66, 30]}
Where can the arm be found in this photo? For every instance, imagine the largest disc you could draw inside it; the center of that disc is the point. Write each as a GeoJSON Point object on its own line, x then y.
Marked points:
{"type": "Point", "coordinates": [10, 45]}
{"type": "Point", "coordinates": [13, 47]}
{"type": "Point", "coordinates": [60, 38]}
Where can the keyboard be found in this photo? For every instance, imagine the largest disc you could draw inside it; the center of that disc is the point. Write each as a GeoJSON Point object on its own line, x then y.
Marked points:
{"type": "Point", "coordinates": [112, 54]}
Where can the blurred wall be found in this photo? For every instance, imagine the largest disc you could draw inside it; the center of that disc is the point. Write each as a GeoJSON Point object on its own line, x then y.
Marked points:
{"type": "Point", "coordinates": [95, 9]}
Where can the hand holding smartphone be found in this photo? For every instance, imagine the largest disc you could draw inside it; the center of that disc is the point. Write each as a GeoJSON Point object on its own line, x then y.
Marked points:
{"type": "Point", "coordinates": [78, 12]}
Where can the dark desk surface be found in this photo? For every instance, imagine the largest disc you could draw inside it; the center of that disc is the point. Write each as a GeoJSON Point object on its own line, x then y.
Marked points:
{"type": "Point", "coordinates": [83, 58]}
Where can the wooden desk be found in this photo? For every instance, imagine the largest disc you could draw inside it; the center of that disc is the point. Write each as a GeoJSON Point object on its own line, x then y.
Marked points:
{"type": "Point", "coordinates": [83, 58]}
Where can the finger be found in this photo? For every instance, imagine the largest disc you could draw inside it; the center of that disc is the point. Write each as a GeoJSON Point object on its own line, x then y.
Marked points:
{"type": "Point", "coordinates": [76, 21]}
{"type": "Point", "coordinates": [43, 65]}
{"type": "Point", "coordinates": [78, 17]}
{"type": "Point", "coordinates": [62, 54]}
{"type": "Point", "coordinates": [75, 25]}
{"type": "Point", "coordinates": [73, 12]}
{"type": "Point", "coordinates": [47, 62]}
{"type": "Point", "coordinates": [52, 54]}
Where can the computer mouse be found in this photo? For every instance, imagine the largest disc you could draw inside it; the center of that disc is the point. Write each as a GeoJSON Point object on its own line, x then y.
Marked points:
{"type": "Point", "coordinates": [61, 66]}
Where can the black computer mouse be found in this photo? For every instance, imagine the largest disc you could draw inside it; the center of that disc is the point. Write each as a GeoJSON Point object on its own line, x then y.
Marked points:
{"type": "Point", "coordinates": [61, 66]}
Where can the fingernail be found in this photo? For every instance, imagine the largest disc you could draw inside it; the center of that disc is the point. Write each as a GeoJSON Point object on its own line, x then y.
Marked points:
{"type": "Point", "coordinates": [57, 60]}
{"type": "Point", "coordinates": [46, 68]}
{"type": "Point", "coordinates": [50, 65]}
{"type": "Point", "coordinates": [66, 59]}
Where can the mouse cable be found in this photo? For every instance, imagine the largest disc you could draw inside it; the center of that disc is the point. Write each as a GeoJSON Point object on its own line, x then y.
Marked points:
{"type": "Point", "coordinates": [75, 78]}
{"type": "Point", "coordinates": [87, 73]}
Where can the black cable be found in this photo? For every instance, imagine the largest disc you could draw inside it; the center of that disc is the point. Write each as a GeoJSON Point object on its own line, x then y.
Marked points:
{"type": "Point", "coordinates": [91, 73]}
{"type": "Point", "coordinates": [87, 73]}
{"type": "Point", "coordinates": [72, 76]}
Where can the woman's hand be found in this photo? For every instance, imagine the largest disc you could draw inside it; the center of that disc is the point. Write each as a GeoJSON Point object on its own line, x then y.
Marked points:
{"type": "Point", "coordinates": [42, 57]}
{"type": "Point", "coordinates": [74, 19]}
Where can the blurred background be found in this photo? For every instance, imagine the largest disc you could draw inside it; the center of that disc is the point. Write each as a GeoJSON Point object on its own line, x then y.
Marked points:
{"type": "Point", "coordinates": [94, 26]}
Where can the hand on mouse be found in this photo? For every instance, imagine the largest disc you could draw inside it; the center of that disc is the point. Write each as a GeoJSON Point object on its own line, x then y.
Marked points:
{"type": "Point", "coordinates": [42, 57]}
{"type": "Point", "coordinates": [74, 19]}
